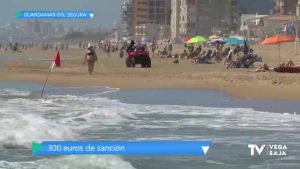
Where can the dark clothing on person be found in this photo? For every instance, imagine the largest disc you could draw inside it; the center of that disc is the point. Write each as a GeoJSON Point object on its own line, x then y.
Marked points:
{"type": "Point", "coordinates": [130, 47]}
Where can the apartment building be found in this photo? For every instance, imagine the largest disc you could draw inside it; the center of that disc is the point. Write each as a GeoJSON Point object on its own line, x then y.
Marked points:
{"type": "Point", "coordinates": [286, 7]}
{"type": "Point", "coordinates": [126, 20]}
{"type": "Point", "coordinates": [156, 12]}
{"type": "Point", "coordinates": [175, 19]}
{"type": "Point", "coordinates": [201, 17]}
{"type": "Point", "coordinates": [298, 9]}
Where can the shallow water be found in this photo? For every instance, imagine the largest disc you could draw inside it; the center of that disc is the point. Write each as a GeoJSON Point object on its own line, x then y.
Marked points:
{"type": "Point", "coordinates": [111, 114]}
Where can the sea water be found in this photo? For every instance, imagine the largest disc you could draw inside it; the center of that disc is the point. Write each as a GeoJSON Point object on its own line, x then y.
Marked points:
{"type": "Point", "coordinates": [100, 113]}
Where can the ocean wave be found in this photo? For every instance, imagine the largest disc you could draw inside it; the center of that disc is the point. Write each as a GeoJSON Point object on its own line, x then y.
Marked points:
{"type": "Point", "coordinates": [71, 162]}
{"type": "Point", "coordinates": [220, 118]}
{"type": "Point", "coordinates": [73, 117]}
{"type": "Point", "coordinates": [13, 92]}
{"type": "Point", "coordinates": [59, 117]}
{"type": "Point", "coordinates": [21, 129]}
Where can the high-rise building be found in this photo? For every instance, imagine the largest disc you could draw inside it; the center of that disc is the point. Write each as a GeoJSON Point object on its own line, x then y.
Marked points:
{"type": "Point", "coordinates": [203, 17]}
{"type": "Point", "coordinates": [262, 7]}
{"type": "Point", "coordinates": [175, 19]}
{"type": "Point", "coordinates": [150, 12]}
{"type": "Point", "coordinates": [286, 7]}
{"type": "Point", "coordinates": [126, 19]}
{"type": "Point", "coordinates": [298, 9]}
{"type": "Point", "coordinates": [160, 11]}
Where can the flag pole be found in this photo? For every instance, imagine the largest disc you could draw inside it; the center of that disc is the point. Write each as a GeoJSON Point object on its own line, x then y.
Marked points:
{"type": "Point", "coordinates": [56, 63]}
{"type": "Point", "coordinates": [296, 40]}
{"type": "Point", "coordinates": [45, 83]}
{"type": "Point", "coordinates": [279, 57]}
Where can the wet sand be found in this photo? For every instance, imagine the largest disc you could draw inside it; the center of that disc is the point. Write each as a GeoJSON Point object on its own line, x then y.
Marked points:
{"type": "Point", "coordinates": [111, 71]}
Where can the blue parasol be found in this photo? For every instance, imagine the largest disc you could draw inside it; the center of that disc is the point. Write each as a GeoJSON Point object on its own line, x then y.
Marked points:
{"type": "Point", "coordinates": [234, 41]}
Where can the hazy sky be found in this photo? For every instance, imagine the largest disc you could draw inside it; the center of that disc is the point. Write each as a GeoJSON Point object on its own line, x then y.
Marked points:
{"type": "Point", "coordinates": [107, 11]}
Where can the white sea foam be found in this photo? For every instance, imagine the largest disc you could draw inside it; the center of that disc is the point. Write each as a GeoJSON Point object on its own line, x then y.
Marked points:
{"type": "Point", "coordinates": [71, 162]}
{"type": "Point", "coordinates": [19, 129]}
{"type": "Point", "coordinates": [24, 120]}
{"type": "Point", "coordinates": [7, 92]}
{"type": "Point", "coordinates": [65, 117]}
{"type": "Point", "coordinates": [222, 118]}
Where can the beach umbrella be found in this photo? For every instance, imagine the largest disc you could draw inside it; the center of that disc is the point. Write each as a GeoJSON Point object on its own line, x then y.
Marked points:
{"type": "Point", "coordinates": [278, 39]}
{"type": "Point", "coordinates": [237, 37]}
{"type": "Point", "coordinates": [219, 41]}
{"type": "Point", "coordinates": [186, 39]}
{"type": "Point", "coordinates": [197, 40]}
{"type": "Point", "coordinates": [212, 37]}
{"type": "Point", "coordinates": [234, 41]}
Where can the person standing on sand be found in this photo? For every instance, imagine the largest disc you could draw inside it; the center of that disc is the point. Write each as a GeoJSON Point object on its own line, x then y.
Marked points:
{"type": "Point", "coordinates": [108, 49]}
{"type": "Point", "coordinates": [219, 53]}
{"type": "Point", "coordinates": [121, 52]}
{"type": "Point", "coordinates": [169, 49]}
{"type": "Point", "coordinates": [153, 48]}
{"type": "Point", "coordinates": [90, 58]}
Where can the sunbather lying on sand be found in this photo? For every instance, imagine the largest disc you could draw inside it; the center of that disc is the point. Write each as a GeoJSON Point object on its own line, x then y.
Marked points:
{"type": "Point", "coordinates": [289, 63]}
{"type": "Point", "coordinates": [263, 68]}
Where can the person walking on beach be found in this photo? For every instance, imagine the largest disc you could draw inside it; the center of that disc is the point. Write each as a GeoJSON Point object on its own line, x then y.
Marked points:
{"type": "Point", "coordinates": [153, 48]}
{"type": "Point", "coordinates": [90, 58]}
{"type": "Point", "coordinates": [121, 52]}
{"type": "Point", "coordinates": [169, 49]}
{"type": "Point", "coordinates": [219, 53]}
{"type": "Point", "coordinates": [108, 49]}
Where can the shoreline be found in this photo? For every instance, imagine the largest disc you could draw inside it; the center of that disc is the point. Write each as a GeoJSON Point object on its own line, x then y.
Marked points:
{"type": "Point", "coordinates": [112, 72]}
{"type": "Point", "coordinates": [205, 97]}
{"type": "Point", "coordinates": [279, 92]}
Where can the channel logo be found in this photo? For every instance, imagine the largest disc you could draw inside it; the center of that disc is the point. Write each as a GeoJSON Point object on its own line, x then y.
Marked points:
{"type": "Point", "coordinates": [277, 150]}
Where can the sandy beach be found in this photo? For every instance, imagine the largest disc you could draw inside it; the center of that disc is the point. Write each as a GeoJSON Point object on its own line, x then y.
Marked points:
{"type": "Point", "coordinates": [111, 71]}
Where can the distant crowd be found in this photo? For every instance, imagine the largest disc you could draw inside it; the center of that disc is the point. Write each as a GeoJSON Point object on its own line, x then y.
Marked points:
{"type": "Point", "coordinates": [16, 47]}
{"type": "Point", "coordinates": [19, 47]}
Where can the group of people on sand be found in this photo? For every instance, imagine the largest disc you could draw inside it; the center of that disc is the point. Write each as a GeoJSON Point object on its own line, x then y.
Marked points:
{"type": "Point", "coordinates": [167, 50]}
{"type": "Point", "coordinates": [108, 47]}
{"type": "Point", "coordinates": [233, 57]}
{"type": "Point", "coordinates": [16, 46]}
{"type": "Point", "coordinates": [239, 58]}
{"type": "Point", "coordinates": [198, 55]}
{"type": "Point", "coordinates": [288, 64]}
{"type": "Point", "coordinates": [91, 57]}
{"type": "Point", "coordinates": [56, 46]}
{"type": "Point", "coordinates": [19, 47]}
